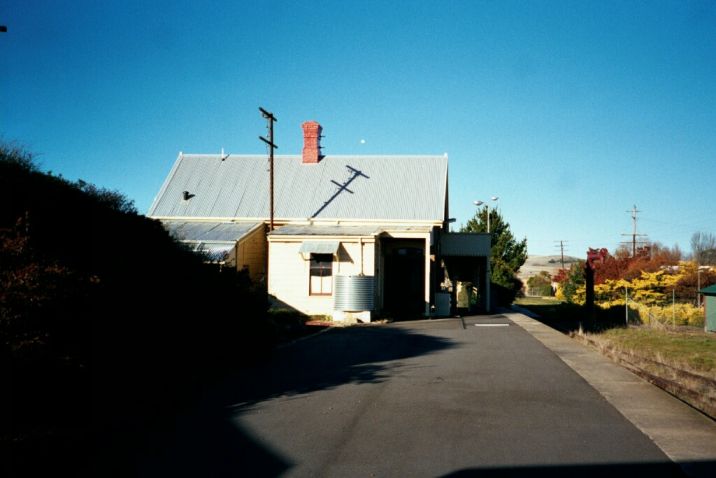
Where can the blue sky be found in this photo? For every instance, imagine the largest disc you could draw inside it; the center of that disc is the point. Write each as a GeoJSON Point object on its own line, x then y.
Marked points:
{"type": "Point", "coordinates": [571, 112]}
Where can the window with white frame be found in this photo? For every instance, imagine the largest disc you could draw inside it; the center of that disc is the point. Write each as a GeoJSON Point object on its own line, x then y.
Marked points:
{"type": "Point", "coordinates": [321, 274]}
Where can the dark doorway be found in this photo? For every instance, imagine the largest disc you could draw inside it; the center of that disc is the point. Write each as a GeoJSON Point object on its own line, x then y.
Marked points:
{"type": "Point", "coordinates": [404, 278]}
{"type": "Point", "coordinates": [468, 274]}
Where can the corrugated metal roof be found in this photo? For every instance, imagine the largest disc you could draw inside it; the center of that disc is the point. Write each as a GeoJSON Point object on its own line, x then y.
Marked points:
{"type": "Point", "coordinates": [343, 230]}
{"type": "Point", "coordinates": [311, 230]}
{"type": "Point", "coordinates": [710, 290]}
{"type": "Point", "coordinates": [338, 187]}
{"type": "Point", "coordinates": [217, 251]}
{"type": "Point", "coordinates": [319, 247]}
{"type": "Point", "coordinates": [457, 244]}
{"type": "Point", "coordinates": [208, 231]}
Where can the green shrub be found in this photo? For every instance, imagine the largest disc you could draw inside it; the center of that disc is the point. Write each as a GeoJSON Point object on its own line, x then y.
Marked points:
{"type": "Point", "coordinates": [101, 310]}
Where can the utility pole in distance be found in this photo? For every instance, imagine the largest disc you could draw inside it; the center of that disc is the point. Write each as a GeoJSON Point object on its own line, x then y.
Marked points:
{"type": "Point", "coordinates": [634, 235]}
{"type": "Point", "coordinates": [271, 119]}
{"type": "Point", "coordinates": [561, 250]}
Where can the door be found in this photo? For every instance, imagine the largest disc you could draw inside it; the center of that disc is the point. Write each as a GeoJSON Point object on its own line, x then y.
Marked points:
{"type": "Point", "coordinates": [404, 269]}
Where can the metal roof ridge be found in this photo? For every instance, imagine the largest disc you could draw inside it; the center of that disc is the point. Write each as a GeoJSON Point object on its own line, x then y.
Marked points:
{"type": "Point", "coordinates": [385, 156]}
{"type": "Point", "coordinates": [301, 220]}
{"type": "Point", "coordinates": [223, 220]}
{"type": "Point", "coordinates": [235, 155]}
{"type": "Point", "coordinates": [325, 156]}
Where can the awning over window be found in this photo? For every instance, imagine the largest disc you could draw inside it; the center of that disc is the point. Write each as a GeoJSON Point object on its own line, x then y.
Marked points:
{"type": "Point", "coordinates": [318, 247]}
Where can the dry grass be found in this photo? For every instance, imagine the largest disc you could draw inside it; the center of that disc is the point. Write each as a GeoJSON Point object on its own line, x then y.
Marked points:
{"type": "Point", "coordinates": [682, 363]}
{"type": "Point", "coordinates": [692, 351]}
{"type": "Point", "coordinates": [533, 300]}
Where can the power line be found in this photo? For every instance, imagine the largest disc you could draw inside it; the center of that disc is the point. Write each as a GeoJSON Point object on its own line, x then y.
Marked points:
{"type": "Point", "coordinates": [669, 226]}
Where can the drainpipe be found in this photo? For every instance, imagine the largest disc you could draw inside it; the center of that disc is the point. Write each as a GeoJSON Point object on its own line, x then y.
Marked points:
{"type": "Point", "coordinates": [360, 244]}
{"type": "Point", "coordinates": [426, 282]}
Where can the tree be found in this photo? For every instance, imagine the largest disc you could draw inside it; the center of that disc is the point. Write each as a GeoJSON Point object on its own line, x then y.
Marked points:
{"type": "Point", "coordinates": [570, 283]}
{"type": "Point", "coordinates": [650, 258]}
{"type": "Point", "coordinates": [690, 280]}
{"type": "Point", "coordinates": [76, 266]}
{"type": "Point", "coordinates": [112, 199]}
{"type": "Point", "coordinates": [703, 247]}
{"type": "Point", "coordinates": [540, 284]}
{"type": "Point", "coordinates": [614, 266]}
{"type": "Point", "coordinates": [560, 276]}
{"type": "Point", "coordinates": [507, 255]}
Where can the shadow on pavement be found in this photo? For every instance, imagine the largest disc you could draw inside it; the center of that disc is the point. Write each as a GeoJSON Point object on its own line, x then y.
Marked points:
{"type": "Point", "coordinates": [567, 318]}
{"type": "Point", "coordinates": [652, 470]}
{"type": "Point", "coordinates": [351, 355]}
{"type": "Point", "coordinates": [207, 442]}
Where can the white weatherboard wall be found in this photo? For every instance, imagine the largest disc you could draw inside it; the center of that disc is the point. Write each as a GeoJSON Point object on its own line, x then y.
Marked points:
{"type": "Point", "coordinates": [251, 254]}
{"type": "Point", "coordinates": [349, 256]}
{"type": "Point", "coordinates": [289, 272]}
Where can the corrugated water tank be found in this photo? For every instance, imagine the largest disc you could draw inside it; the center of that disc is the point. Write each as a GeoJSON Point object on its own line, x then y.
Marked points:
{"type": "Point", "coordinates": [354, 293]}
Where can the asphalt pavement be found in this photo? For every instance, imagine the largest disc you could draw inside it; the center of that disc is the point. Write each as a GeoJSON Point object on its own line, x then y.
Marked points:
{"type": "Point", "coordinates": [479, 396]}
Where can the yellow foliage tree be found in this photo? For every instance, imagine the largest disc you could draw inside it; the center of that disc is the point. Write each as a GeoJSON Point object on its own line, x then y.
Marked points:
{"type": "Point", "coordinates": [650, 288]}
{"type": "Point", "coordinates": [649, 294]}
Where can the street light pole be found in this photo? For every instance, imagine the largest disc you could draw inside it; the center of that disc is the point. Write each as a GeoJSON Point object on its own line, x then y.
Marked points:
{"type": "Point", "coordinates": [698, 285]}
{"type": "Point", "coordinates": [494, 198]}
{"type": "Point", "coordinates": [480, 203]}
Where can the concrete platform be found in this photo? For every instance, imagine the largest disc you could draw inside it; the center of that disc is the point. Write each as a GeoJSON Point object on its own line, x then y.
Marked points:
{"type": "Point", "coordinates": [684, 434]}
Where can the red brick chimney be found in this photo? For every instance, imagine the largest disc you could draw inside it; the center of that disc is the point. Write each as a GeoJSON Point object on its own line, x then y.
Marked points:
{"type": "Point", "coordinates": [311, 142]}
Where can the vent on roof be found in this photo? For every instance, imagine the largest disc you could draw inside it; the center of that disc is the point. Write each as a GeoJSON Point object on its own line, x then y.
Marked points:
{"type": "Point", "coordinates": [186, 195]}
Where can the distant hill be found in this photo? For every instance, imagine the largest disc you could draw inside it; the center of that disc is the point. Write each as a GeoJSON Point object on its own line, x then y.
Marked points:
{"type": "Point", "coordinates": [551, 264]}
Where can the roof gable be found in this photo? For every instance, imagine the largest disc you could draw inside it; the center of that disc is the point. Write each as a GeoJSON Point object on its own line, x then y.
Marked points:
{"type": "Point", "coordinates": [338, 187]}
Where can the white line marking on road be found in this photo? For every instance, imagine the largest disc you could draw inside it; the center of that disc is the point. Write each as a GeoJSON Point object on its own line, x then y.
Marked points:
{"type": "Point", "coordinates": [492, 325]}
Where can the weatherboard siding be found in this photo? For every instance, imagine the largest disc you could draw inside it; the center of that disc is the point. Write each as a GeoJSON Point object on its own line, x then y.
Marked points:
{"type": "Point", "coordinates": [251, 254]}
{"type": "Point", "coordinates": [289, 273]}
{"type": "Point", "coordinates": [349, 256]}
{"type": "Point", "coordinates": [288, 280]}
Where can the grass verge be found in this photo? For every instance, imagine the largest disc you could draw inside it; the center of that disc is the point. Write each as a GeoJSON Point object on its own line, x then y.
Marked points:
{"type": "Point", "coordinates": [692, 351]}
{"type": "Point", "coordinates": [680, 363]}
{"type": "Point", "coordinates": [536, 300]}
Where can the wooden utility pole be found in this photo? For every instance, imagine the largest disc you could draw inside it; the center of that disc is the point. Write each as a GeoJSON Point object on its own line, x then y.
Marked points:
{"type": "Point", "coordinates": [561, 251]}
{"type": "Point", "coordinates": [271, 119]}
{"type": "Point", "coordinates": [634, 235]}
